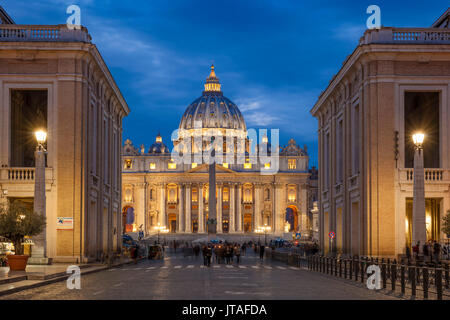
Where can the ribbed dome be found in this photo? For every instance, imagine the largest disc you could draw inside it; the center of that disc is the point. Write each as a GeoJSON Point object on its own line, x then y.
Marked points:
{"type": "Point", "coordinates": [213, 109]}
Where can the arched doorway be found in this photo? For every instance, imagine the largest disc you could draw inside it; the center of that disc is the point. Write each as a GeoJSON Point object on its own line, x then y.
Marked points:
{"type": "Point", "coordinates": [292, 218]}
{"type": "Point", "coordinates": [172, 219]}
{"type": "Point", "coordinates": [127, 219]}
{"type": "Point", "coordinates": [248, 221]}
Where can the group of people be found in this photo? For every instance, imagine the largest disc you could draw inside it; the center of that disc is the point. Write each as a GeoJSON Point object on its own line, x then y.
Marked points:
{"type": "Point", "coordinates": [228, 252]}
{"type": "Point", "coordinates": [431, 250]}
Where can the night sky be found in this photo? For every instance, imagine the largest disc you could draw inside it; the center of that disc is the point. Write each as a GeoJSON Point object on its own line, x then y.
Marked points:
{"type": "Point", "coordinates": [273, 58]}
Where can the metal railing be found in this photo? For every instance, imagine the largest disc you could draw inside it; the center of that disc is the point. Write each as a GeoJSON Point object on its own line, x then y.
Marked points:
{"type": "Point", "coordinates": [418, 280]}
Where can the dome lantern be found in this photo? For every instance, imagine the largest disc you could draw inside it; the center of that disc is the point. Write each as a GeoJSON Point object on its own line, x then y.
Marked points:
{"type": "Point", "coordinates": [212, 82]}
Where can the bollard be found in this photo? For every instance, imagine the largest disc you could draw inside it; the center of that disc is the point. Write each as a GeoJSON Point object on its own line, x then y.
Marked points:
{"type": "Point", "coordinates": [335, 267]}
{"type": "Point", "coordinates": [340, 268]}
{"type": "Point", "coordinates": [393, 275]}
{"type": "Point", "coordinates": [350, 267]}
{"type": "Point", "coordinates": [383, 274]}
{"type": "Point", "coordinates": [356, 269]}
{"type": "Point", "coordinates": [438, 278]}
{"type": "Point", "coordinates": [425, 282]}
{"type": "Point", "coordinates": [402, 279]}
{"type": "Point", "coordinates": [345, 269]}
{"type": "Point", "coordinates": [362, 271]}
{"type": "Point", "coordinates": [388, 269]}
{"type": "Point", "coordinates": [328, 262]}
{"type": "Point", "coordinates": [446, 276]}
{"type": "Point", "coordinates": [413, 281]}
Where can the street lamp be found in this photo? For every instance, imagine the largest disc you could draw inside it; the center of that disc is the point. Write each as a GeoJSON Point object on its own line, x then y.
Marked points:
{"type": "Point", "coordinates": [266, 229]}
{"type": "Point", "coordinates": [39, 253]}
{"type": "Point", "coordinates": [419, 226]}
{"type": "Point", "coordinates": [161, 229]}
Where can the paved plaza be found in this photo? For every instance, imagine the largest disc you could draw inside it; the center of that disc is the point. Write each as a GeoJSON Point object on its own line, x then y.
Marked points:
{"type": "Point", "coordinates": [185, 278]}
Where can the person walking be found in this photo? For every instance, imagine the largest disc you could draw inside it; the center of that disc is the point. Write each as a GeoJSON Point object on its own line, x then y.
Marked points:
{"type": "Point", "coordinates": [261, 252]}
{"type": "Point", "coordinates": [208, 255]}
{"type": "Point", "coordinates": [416, 249]}
{"type": "Point", "coordinates": [135, 254]}
{"type": "Point", "coordinates": [436, 250]}
{"type": "Point", "coordinates": [227, 254]}
{"type": "Point", "coordinates": [237, 253]}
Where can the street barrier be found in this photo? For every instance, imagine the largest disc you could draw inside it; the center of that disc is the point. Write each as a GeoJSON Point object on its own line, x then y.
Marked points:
{"type": "Point", "coordinates": [430, 279]}
{"type": "Point", "coordinates": [405, 279]}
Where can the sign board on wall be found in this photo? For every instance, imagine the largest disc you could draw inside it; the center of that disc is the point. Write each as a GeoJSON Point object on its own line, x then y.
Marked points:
{"type": "Point", "coordinates": [64, 223]}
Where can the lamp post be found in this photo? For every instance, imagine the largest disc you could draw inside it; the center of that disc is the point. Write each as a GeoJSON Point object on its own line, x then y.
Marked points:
{"type": "Point", "coordinates": [259, 230]}
{"type": "Point", "coordinates": [160, 228]}
{"type": "Point", "coordinates": [39, 252]}
{"type": "Point", "coordinates": [266, 229]}
{"type": "Point", "coordinates": [418, 216]}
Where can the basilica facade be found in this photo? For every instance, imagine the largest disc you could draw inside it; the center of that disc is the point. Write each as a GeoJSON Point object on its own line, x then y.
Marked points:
{"type": "Point", "coordinates": [161, 191]}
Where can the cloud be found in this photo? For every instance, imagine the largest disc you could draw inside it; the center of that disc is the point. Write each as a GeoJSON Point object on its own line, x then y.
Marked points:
{"type": "Point", "coordinates": [349, 32]}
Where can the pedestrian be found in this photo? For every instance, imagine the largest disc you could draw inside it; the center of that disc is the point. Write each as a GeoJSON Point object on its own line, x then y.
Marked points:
{"type": "Point", "coordinates": [436, 250]}
{"type": "Point", "coordinates": [227, 254]}
{"type": "Point", "coordinates": [261, 252]}
{"type": "Point", "coordinates": [416, 250]}
{"type": "Point", "coordinates": [135, 254]}
{"type": "Point", "coordinates": [205, 255]}
{"type": "Point", "coordinates": [408, 254]}
{"type": "Point", "coordinates": [208, 255]}
{"type": "Point", "coordinates": [237, 253]}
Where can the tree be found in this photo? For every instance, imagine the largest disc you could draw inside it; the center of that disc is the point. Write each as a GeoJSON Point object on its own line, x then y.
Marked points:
{"type": "Point", "coordinates": [18, 221]}
{"type": "Point", "coordinates": [446, 224]}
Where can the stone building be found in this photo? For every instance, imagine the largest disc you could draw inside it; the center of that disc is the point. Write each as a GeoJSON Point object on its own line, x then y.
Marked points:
{"type": "Point", "coordinates": [55, 79]}
{"type": "Point", "coordinates": [396, 81]}
{"type": "Point", "coordinates": [159, 191]}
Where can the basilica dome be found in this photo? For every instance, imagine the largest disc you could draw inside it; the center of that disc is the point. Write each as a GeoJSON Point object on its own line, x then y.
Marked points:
{"type": "Point", "coordinates": [212, 109]}
{"type": "Point", "coordinates": [158, 146]}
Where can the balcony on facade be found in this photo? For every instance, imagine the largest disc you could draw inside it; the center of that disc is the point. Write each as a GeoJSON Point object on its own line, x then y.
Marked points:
{"type": "Point", "coordinates": [43, 33]}
{"type": "Point", "coordinates": [406, 36]}
{"type": "Point", "coordinates": [22, 179]}
{"type": "Point", "coordinates": [431, 176]}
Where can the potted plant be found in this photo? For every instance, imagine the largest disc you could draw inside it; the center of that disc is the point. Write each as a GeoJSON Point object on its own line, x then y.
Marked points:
{"type": "Point", "coordinates": [16, 222]}
{"type": "Point", "coordinates": [446, 224]}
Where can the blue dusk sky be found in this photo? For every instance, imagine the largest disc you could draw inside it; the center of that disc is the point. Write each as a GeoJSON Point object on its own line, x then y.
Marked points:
{"type": "Point", "coordinates": [273, 58]}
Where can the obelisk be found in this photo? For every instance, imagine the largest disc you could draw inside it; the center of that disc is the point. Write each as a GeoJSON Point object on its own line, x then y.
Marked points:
{"type": "Point", "coordinates": [212, 222]}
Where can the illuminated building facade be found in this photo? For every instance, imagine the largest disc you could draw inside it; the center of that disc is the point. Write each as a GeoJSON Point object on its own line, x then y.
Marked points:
{"type": "Point", "coordinates": [396, 82]}
{"type": "Point", "coordinates": [159, 191]}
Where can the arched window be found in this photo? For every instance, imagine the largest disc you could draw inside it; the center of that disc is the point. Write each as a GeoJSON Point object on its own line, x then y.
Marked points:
{"type": "Point", "coordinates": [267, 194]}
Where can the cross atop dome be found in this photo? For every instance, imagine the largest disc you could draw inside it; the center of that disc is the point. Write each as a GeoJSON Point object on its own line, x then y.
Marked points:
{"type": "Point", "coordinates": [212, 82]}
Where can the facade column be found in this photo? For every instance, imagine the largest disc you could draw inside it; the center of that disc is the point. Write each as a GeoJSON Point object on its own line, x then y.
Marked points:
{"type": "Point", "coordinates": [257, 202]}
{"type": "Point", "coordinates": [219, 209]}
{"type": "Point", "coordinates": [180, 220]}
{"type": "Point", "coordinates": [188, 223]}
{"type": "Point", "coordinates": [162, 204]}
{"type": "Point", "coordinates": [239, 208]}
{"type": "Point", "coordinates": [39, 251]}
{"type": "Point", "coordinates": [304, 209]}
{"type": "Point", "coordinates": [419, 231]}
{"type": "Point", "coordinates": [278, 210]}
{"type": "Point", "coordinates": [201, 215]}
{"type": "Point", "coordinates": [232, 207]}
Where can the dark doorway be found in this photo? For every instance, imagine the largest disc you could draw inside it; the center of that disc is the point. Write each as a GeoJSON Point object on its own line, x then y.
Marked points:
{"type": "Point", "coordinates": [28, 113]}
{"type": "Point", "coordinates": [422, 114]}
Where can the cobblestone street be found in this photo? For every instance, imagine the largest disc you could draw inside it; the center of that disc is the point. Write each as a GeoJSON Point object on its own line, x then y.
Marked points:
{"type": "Point", "coordinates": [183, 278]}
